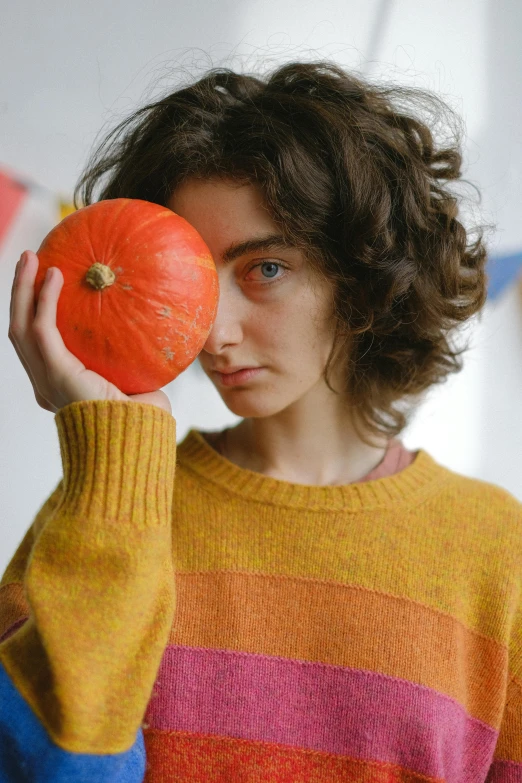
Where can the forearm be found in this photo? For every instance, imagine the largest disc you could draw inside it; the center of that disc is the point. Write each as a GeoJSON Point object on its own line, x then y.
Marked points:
{"type": "Point", "coordinates": [99, 581]}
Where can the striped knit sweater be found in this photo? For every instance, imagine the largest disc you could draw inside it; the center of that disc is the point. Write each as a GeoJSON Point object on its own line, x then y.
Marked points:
{"type": "Point", "coordinates": [170, 616]}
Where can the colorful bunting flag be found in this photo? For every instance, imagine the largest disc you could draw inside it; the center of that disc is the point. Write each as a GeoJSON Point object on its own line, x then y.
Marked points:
{"type": "Point", "coordinates": [66, 208]}
{"type": "Point", "coordinates": [13, 191]}
{"type": "Point", "coordinates": [503, 271]}
{"type": "Point", "coordinates": [12, 196]}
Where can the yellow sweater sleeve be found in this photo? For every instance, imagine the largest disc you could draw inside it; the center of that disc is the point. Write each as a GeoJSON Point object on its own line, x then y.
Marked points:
{"type": "Point", "coordinates": [95, 575]}
{"type": "Point", "coordinates": [13, 603]}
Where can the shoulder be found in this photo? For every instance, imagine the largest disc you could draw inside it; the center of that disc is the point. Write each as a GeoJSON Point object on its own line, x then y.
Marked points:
{"type": "Point", "coordinates": [480, 507]}
{"type": "Point", "coordinates": [485, 493]}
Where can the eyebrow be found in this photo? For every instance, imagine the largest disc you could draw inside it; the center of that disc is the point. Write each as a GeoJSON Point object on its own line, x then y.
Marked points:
{"type": "Point", "coordinates": [267, 242]}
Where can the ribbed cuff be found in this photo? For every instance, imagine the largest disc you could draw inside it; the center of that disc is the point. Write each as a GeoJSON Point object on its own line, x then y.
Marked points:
{"type": "Point", "coordinates": [118, 461]}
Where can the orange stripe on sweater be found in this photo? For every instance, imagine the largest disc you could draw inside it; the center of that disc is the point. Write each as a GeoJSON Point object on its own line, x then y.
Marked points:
{"type": "Point", "coordinates": [314, 620]}
{"type": "Point", "coordinates": [176, 756]}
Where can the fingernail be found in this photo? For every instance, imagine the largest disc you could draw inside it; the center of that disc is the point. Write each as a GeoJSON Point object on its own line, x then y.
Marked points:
{"type": "Point", "coordinates": [49, 273]}
{"type": "Point", "coordinates": [23, 258]}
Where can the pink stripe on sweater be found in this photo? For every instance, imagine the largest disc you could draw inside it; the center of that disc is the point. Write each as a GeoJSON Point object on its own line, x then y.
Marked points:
{"type": "Point", "coordinates": [335, 709]}
{"type": "Point", "coordinates": [505, 772]}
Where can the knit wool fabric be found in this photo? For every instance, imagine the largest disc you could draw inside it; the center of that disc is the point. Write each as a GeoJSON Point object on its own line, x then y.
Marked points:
{"type": "Point", "coordinates": [170, 616]}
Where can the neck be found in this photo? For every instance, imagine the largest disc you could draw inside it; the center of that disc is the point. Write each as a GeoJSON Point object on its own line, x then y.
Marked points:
{"type": "Point", "coordinates": [327, 453]}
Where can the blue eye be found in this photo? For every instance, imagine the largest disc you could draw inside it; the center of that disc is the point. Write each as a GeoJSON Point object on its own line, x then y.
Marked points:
{"type": "Point", "coordinates": [271, 268]}
{"type": "Point", "coordinates": [271, 264]}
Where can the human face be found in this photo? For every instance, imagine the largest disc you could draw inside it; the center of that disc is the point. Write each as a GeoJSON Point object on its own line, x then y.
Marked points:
{"type": "Point", "coordinates": [274, 311]}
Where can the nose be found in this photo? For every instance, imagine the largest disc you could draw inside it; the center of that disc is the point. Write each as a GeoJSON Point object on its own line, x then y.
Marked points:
{"type": "Point", "coordinates": [226, 330]}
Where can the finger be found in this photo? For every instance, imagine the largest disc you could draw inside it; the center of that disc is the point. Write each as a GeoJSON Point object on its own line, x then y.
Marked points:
{"type": "Point", "coordinates": [22, 294]}
{"type": "Point", "coordinates": [59, 361]}
{"type": "Point", "coordinates": [158, 398]}
{"type": "Point", "coordinates": [15, 279]}
{"type": "Point", "coordinates": [22, 316]}
{"type": "Point", "coordinates": [40, 398]}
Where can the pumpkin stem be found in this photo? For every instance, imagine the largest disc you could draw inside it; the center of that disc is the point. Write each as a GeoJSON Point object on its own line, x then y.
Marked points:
{"type": "Point", "coordinates": [100, 276]}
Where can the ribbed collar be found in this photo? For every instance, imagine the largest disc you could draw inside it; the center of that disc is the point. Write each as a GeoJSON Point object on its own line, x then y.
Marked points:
{"type": "Point", "coordinates": [410, 486]}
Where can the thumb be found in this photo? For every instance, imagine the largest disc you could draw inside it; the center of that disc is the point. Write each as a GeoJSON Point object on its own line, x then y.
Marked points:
{"type": "Point", "coordinates": [157, 398]}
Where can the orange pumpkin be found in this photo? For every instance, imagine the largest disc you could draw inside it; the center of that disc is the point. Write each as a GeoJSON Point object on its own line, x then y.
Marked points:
{"type": "Point", "coordinates": [140, 291]}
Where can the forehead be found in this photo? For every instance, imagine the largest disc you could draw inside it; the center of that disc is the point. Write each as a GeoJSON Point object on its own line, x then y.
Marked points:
{"type": "Point", "coordinates": [220, 197]}
{"type": "Point", "coordinates": [231, 217]}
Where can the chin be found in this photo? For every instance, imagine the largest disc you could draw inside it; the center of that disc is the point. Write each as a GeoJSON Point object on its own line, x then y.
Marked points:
{"type": "Point", "coordinates": [250, 404]}
{"type": "Point", "coordinates": [246, 409]}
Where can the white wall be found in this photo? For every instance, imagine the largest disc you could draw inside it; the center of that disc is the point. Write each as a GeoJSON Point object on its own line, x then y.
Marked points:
{"type": "Point", "coordinates": [72, 68]}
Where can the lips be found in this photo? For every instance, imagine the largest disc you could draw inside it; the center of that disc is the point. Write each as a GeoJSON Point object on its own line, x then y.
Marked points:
{"type": "Point", "coordinates": [239, 377]}
{"type": "Point", "coordinates": [231, 370]}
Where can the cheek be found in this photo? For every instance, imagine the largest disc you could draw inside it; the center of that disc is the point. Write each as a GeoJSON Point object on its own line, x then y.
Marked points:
{"type": "Point", "coordinates": [292, 338]}
{"type": "Point", "coordinates": [296, 327]}
{"type": "Point", "coordinates": [279, 328]}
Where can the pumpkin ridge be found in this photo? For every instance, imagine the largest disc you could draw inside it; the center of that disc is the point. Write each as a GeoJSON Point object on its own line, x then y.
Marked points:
{"type": "Point", "coordinates": [147, 221]}
{"type": "Point", "coordinates": [109, 216]}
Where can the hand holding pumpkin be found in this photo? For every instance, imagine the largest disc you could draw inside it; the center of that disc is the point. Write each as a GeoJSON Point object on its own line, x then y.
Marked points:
{"type": "Point", "coordinates": [57, 376]}
{"type": "Point", "coordinates": [130, 303]}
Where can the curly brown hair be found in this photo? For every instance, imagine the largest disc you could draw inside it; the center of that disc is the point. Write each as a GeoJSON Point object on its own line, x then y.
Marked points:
{"type": "Point", "coordinates": [353, 176]}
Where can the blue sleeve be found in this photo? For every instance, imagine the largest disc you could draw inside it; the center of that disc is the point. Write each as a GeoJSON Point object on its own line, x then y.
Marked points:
{"type": "Point", "coordinates": [29, 755]}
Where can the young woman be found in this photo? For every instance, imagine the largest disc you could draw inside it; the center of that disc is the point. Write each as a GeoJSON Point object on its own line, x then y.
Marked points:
{"type": "Point", "coordinates": [299, 597]}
